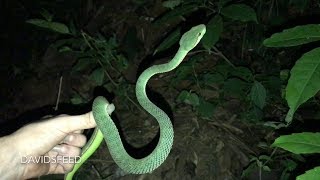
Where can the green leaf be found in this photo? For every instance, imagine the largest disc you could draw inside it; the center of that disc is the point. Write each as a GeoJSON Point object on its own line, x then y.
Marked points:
{"type": "Point", "coordinates": [254, 114]}
{"type": "Point", "coordinates": [169, 41]}
{"type": "Point", "coordinates": [171, 3]}
{"type": "Point", "coordinates": [240, 12]}
{"type": "Point", "coordinates": [214, 30]}
{"type": "Point", "coordinates": [258, 94]}
{"type": "Point", "coordinates": [284, 74]}
{"type": "Point", "coordinates": [46, 15]}
{"type": "Point", "coordinates": [183, 71]}
{"type": "Point", "coordinates": [294, 36]}
{"type": "Point", "coordinates": [246, 172]}
{"type": "Point", "coordinates": [98, 76]}
{"type": "Point", "coordinates": [224, 69]}
{"type": "Point", "coordinates": [77, 99]}
{"type": "Point", "coordinates": [212, 78]}
{"type": "Point", "coordinates": [206, 109]}
{"type": "Point", "coordinates": [290, 165]}
{"type": "Point", "coordinates": [176, 13]}
{"type": "Point", "coordinates": [72, 27]}
{"type": "Point", "coordinates": [65, 49]}
{"type": "Point", "coordinates": [122, 62]}
{"type": "Point", "coordinates": [109, 86]}
{"type": "Point", "coordinates": [53, 26]}
{"type": "Point", "coordinates": [59, 27]}
{"type": "Point", "coordinates": [265, 157]}
{"type": "Point", "coordinates": [243, 73]}
{"type": "Point", "coordinates": [266, 168]}
{"type": "Point", "coordinates": [39, 22]}
{"type": "Point", "coordinates": [235, 87]}
{"type": "Point", "coordinates": [304, 81]}
{"type": "Point", "coordinates": [188, 98]}
{"type": "Point", "coordinates": [82, 64]}
{"type": "Point", "coordinates": [222, 3]}
{"type": "Point", "coordinates": [310, 175]}
{"type": "Point", "coordinates": [299, 143]}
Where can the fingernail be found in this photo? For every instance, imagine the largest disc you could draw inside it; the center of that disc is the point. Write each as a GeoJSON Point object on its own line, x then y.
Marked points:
{"type": "Point", "coordinates": [57, 148]}
{"type": "Point", "coordinates": [69, 138]}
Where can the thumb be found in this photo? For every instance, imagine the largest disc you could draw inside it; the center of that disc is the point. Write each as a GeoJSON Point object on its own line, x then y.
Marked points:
{"type": "Point", "coordinates": [78, 122]}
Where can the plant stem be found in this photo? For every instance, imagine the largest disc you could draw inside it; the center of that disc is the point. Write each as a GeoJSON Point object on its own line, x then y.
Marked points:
{"type": "Point", "coordinates": [219, 53]}
{"type": "Point", "coordinates": [197, 80]}
{"type": "Point", "coordinates": [135, 104]}
{"type": "Point", "coordinates": [98, 60]}
{"type": "Point", "coordinates": [59, 92]}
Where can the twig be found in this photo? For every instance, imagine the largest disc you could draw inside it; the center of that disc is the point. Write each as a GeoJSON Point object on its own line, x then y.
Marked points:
{"type": "Point", "coordinates": [196, 52]}
{"type": "Point", "coordinates": [96, 171]}
{"type": "Point", "coordinates": [97, 49]}
{"type": "Point", "coordinates": [243, 41]}
{"type": "Point", "coordinates": [219, 53]}
{"type": "Point", "coordinates": [273, 152]}
{"type": "Point", "coordinates": [104, 69]}
{"type": "Point", "coordinates": [197, 80]}
{"type": "Point", "coordinates": [59, 92]}
{"type": "Point", "coordinates": [135, 104]}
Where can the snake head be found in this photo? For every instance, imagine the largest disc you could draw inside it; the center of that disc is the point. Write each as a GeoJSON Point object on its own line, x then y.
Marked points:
{"type": "Point", "coordinates": [191, 38]}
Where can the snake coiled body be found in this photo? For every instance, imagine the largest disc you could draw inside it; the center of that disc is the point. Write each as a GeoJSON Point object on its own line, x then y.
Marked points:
{"type": "Point", "coordinates": [107, 129]}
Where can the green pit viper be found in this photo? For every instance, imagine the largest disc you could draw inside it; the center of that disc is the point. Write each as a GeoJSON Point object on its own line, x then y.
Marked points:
{"type": "Point", "coordinates": [106, 129]}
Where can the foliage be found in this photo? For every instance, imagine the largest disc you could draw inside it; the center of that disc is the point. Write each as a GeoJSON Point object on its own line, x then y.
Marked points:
{"type": "Point", "coordinates": [228, 22]}
{"type": "Point", "coordinates": [299, 143]}
{"type": "Point", "coordinates": [169, 41]}
{"type": "Point", "coordinates": [214, 28]}
{"type": "Point", "coordinates": [49, 24]}
{"type": "Point", "coordinates": [302, 85]}
{"type": "Point", "coordinates": [239, 12]}
{"type": "Point", "coordinates": [295, 36]}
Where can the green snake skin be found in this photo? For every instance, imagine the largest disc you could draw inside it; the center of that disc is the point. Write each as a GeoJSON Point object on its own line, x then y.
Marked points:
{"type": "Point", "coordinates": [107, 129]}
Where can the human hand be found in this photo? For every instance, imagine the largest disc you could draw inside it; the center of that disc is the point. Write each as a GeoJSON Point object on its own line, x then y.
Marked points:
{"type": "Point", "coordinates": [58, 136]}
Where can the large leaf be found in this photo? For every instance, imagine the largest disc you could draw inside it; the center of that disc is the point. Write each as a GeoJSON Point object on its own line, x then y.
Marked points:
{"type": "Point", "coordinates": [240, 12]}
{"type": "Point", "coordinates": [243, 73]}
{"type": "Point", "coordinates": [97, 76]}
{"type": "Point", "coordinates": [82, 64]}
{"type": "Point", "coordinates": [171, 3]}
{"type": "Point", "coordinates": [169, 41]}
{"type": "Point", "coordinates": [222, 3]}
{"type": "Point", "coordinates": [46, 15]}
{"type": "Point", "coordinates": [188, 98]}
{"type": "Point", "coordinates": [258, 94]}
{"type": "Point", "coordinates": [235, 87]}
{"type": "Point", "coordinates": [214, 29]}
{"type": "Point", "coordinates": [304, 81]}
{"type": "Point", "coordinates": [224, 69]}
{"type": "Point", "coordinates": [212, 78]}
{"type": "Point", "coordinates": [77, 99]}
{"type": "Point", "coordinates": [310, 175]}
{"type": "Point", "coordinates": [206, 109]}
{"type": "Point", "coordinates": [299, 143]}
{"type": "Point", "coordinates": [54, 26]}
{"type": "Point", "coordinates": [294, 36]}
